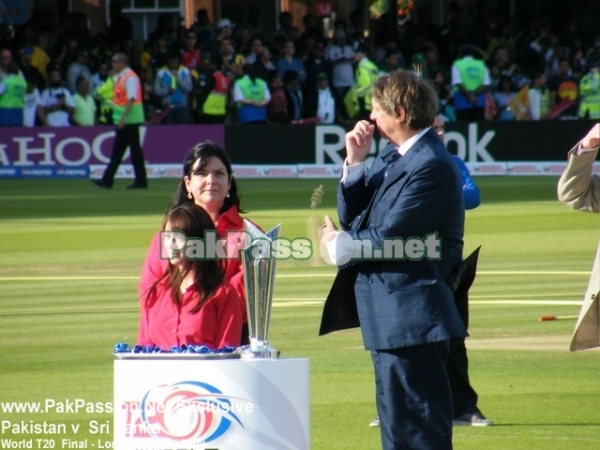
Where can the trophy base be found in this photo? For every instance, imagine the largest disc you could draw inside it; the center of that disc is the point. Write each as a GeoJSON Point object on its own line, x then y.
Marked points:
{"type": "Point", "coordinates": [264, 352]}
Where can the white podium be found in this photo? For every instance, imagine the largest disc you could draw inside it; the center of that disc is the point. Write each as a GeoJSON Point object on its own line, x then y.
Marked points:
{"type": "Point", "coordinates": [179, 401]}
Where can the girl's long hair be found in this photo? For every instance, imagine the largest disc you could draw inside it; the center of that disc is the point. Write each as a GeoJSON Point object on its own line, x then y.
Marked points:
{"type": "Point", "coordinates": [193, 221]}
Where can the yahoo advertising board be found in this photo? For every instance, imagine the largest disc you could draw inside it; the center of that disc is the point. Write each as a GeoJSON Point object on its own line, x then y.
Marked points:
{"type": "Point", "coordinates": [282, 151]}
{"type": "Point", "coordinates": [80, 146]}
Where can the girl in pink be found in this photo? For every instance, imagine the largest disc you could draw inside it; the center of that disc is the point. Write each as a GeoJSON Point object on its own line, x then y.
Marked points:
{"type": "Point", "coordinates": [190, 302]}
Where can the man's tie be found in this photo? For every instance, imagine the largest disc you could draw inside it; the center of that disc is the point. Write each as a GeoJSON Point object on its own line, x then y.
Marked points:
{"type": "Point", "coordinates": [393, 159]}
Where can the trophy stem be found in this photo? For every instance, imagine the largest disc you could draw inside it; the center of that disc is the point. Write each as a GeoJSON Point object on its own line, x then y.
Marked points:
{"type": "Point", "coordinates": [257, 349]}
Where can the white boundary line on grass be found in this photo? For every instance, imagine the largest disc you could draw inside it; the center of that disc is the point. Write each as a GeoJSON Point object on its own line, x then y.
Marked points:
{"type": "Point", "coordinates": [482, 272]}
{"type": "Point", "coordinates": [285, 275]}
{"type": "Point", "coordinates": [288, 302]}
{"type": "Point", "coordinates": [526, 302]}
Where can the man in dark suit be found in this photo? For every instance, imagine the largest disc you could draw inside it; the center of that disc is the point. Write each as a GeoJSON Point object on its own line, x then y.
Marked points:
{"type": "Point", "coordinates": [410, 200]}
{"type": "Point", "coordinates": [464, 396]}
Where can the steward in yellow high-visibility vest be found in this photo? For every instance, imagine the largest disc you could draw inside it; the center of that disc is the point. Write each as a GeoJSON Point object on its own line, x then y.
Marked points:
{"type": "Point", "coordinates": [104, 94]}
{"type": "Point", "coordinates": [214, 108]}
{"type": "Point", "coordinates": [365, 76]}
{"type": "Point", "coordinates": [12, 97]}
{"type": "Point", "coordinates": [589, 90]}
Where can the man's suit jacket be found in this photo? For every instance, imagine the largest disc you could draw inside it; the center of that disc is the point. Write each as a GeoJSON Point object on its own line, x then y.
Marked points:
{"type": "Point", "coordinates": [401, 302]}
{"type": "Point", "coordinates": [579, 189]}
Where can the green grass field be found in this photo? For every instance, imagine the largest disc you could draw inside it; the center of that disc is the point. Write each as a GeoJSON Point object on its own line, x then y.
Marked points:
{"type": "Point", "coordinates": [70, 255]}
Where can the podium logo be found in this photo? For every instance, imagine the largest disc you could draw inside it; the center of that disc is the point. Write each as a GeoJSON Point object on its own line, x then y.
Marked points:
{"type": "Point", "coordinates": [190, 411]}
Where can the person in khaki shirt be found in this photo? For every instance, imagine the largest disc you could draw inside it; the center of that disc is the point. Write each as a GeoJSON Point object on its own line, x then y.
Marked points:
{"type": "Point", "coordinates": [580, 189]}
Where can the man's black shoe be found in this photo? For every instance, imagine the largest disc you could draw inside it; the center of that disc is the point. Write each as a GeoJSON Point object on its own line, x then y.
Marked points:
{"type": "Point", "coordinates": [137, 186]}
{"type": "Point", "coordinates": [101, 184]}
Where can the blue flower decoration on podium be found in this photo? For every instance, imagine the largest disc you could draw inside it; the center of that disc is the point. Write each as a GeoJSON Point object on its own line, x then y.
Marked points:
{"type": "Point", "coordinates": [123, 347]}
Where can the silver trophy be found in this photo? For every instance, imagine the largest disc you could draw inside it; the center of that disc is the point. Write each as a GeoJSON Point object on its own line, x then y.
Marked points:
{"type": "Point", "coordinates": [259, 278]}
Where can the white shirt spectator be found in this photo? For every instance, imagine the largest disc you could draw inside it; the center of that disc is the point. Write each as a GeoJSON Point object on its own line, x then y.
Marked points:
{"type": "Point", "coordinates": [75, 71]}
{"type": "Point", "coordinates": [343, 72]}
{"type": "Point", "coordinates": [535, 97]}
{"type": "Point", "coordinates": [32, 101]}
{"type": "Point", "coordinates": [52, 96]}
{"type": "Point", "coordinates": [326, 107]}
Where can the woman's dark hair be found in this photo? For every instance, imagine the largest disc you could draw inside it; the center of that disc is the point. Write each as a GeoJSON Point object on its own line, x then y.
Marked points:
{"type": "Point", "coordinates": [193, 221]}
{"type": "Point", "coordinates": [203, 151]}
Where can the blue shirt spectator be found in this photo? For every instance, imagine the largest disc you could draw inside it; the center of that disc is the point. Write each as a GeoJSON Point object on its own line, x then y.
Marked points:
{"type": "Point", "coordinates": [289, 62]}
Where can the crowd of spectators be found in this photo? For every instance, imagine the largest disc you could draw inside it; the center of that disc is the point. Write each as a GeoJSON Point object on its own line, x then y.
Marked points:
{"type": "Point", "coordinates": [239, 73]}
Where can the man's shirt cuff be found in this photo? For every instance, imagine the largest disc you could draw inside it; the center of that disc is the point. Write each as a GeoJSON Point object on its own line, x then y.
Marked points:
{"type": "Point", "coordinates": [352, 173]}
